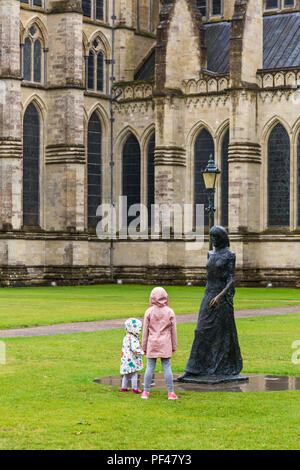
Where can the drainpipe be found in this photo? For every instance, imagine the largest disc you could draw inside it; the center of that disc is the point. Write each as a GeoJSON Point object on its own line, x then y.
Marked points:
{"type": "Point", "coordinates": [112, 163]}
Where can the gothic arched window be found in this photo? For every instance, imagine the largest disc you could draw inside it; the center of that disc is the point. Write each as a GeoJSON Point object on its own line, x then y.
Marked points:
{"type": "Point", "coordinates": [131, 172]}
{"type": "Point", "coordinates": [279, 177]}
{"type": "Point", "coordinates": [94, 169]}
{"type": "Point", "coordinates": [204, 147]}
{"type": "Point", "coordinates": [95, 67]}
{"type": "Point", "coordinates": [150, 175]}
{"type": "Point", "coordinates": [31, 166]}
{"type": "Point", "coordinates": [224, 180]}
{"type": "Point", "coordinates": [33, 55]}
{"type": "Point", "coordinates": [298, 186]}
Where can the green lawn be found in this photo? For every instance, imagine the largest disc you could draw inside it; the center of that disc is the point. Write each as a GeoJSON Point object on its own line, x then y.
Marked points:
{"type": "Point", "coordinates": [32, 306]}
{"type": "Point", "coordinates": [49, 401]}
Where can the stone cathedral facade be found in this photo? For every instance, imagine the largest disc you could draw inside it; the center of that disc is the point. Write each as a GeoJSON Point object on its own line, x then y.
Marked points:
{"type": "Point", "coordinates": [191, 78]}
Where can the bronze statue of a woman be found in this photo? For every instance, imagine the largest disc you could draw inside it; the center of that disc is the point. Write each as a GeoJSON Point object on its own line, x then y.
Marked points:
{"type": "Point", "coordinates": [215, 355]}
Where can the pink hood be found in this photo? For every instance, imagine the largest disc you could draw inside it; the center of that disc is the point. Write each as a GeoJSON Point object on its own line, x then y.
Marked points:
{"type": "Point", "coordinates": [159, 297]}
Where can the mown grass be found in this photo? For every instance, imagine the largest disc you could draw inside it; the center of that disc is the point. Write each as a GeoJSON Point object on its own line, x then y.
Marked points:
{"type": "Point", "coordinates": [32, 306]}
{"type": "Point", "coordinates": [48, 399]}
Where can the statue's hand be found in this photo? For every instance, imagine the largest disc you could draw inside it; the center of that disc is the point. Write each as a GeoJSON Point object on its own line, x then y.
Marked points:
{"type": "Point", "coordinates": [214, 302]}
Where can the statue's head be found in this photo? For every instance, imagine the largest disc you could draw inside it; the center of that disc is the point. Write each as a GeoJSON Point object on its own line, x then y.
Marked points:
{"type": "Point", "coordinates": [219, 236]}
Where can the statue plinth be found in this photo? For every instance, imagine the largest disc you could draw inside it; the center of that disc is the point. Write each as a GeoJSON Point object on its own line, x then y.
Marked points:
{"type": "Point", "coordinates": [211, 379]}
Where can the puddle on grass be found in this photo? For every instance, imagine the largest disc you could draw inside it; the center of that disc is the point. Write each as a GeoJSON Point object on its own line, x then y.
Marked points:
{"type": "Point", "coordinates": [256, 383]}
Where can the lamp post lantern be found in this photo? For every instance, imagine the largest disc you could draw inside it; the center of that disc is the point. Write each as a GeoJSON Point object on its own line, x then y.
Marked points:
{"type": "Point", "coordinates": [210, 176]}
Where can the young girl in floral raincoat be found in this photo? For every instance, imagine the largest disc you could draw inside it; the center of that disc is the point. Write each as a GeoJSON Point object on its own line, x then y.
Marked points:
{"type": "Point", "coordinates": [131, 358]}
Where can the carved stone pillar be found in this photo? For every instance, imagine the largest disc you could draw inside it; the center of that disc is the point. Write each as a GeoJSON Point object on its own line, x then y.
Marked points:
{"type": "Point", "coordinates": [179, 19]}
{"type": "Point", "coordinates": [244, 154]}
{"type": "Point", "coordinates": [10, 117]}
{"type": "Point", "coordinates": [65, 151]}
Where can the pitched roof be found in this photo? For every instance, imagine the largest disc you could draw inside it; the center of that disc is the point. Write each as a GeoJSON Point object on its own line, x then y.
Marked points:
{"type": "Point", "coordinates": [281, 40]}
{"type": "Point", "coordinates": [146, 70]}
{"type": "Point", "coordinates": [217, 38]}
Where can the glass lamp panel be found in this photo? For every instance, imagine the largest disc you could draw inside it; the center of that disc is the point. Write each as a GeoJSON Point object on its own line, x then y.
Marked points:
{"type": "Point", "coordinates": [209, 180]}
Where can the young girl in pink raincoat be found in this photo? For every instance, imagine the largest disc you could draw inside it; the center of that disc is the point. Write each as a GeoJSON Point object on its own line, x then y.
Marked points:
{"type": "Point", "coordinates": [159, 339]}
{"type": "Point", "coordinates": [131, 357]}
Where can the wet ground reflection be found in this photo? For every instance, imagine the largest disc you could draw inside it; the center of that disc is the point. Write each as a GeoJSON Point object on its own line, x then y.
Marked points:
{"type": "Point", "coordinates": [256, 383]}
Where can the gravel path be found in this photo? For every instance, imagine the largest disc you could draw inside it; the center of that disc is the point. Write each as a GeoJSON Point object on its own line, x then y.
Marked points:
{"type": "Point", "coordinates": [85, 327]}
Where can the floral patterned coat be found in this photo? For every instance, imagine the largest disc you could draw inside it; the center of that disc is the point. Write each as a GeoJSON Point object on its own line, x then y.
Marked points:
{"type": "Point", "coordinates": [131, 357]}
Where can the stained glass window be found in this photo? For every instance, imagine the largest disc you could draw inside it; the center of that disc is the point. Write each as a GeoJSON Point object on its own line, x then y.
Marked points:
{"type": "Point", "coordinates": [298, 192]}
{"type": "Point", "coordinates": [279, 177]}
{"type": "Point", "coordinates": [289, 3]}
{"type": "Point", "coordinates": [216, 8]}
{"type": "Point", "coordinates": [224, 180]}
{"type": "Point", "coordinates": [37, 61]}
{"type": "Point", "coordinates": [27, 59]}
{"type": "Point", "coordinates": [87, 8]}
{"type": "Point", "coordinates": [202, 7]}
{"type": "Point", "coordinates": [100, 68]}
{"type": "Point", "coordinates": [204, 147]}
{"type": "Point", "coordinates": [131, 174]}
{"type": "Point", "coordinates": [32, 55]}
{"type": "Point", "coordinates": [94, 169]}
{"type": "Point", "coordinates": [90, 71]}
{"type": "Point", "coordinates": [37, 3]}
{"type": "Point", "coordinates": [150, 176]}
{"type": "Point", "coordinates": [31, 166]}
{"type": "Point", "coordinates": [271, 4]}
{"type": "Point", "coordinates": [99, 9]}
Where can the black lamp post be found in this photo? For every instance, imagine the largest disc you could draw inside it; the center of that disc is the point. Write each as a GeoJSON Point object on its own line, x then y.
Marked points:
{"type": "Point", "coordinates": [210, 176]}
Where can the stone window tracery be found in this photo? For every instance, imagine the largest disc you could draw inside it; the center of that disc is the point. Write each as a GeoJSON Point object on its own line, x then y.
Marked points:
{"type": "Point", "coordinates": [95, 67]}
{"type": "Point", "coordinates": [94, 169]}
{"type": "Point", "coordinates": [93, 9]}
{"type": "Point", "coordinates": [32, 55]}
{"type": "Point", "coordinates": [210, 7]}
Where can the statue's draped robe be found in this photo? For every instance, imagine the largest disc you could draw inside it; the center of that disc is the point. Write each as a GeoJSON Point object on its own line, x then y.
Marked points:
{"type": "Point", "coordinates": [215, 350]}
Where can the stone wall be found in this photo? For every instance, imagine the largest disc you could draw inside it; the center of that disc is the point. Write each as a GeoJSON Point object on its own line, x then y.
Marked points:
{"type": "Point", "coordinates": [184, 99]}
{"type": "Point", "coordinates": [10, 123]}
